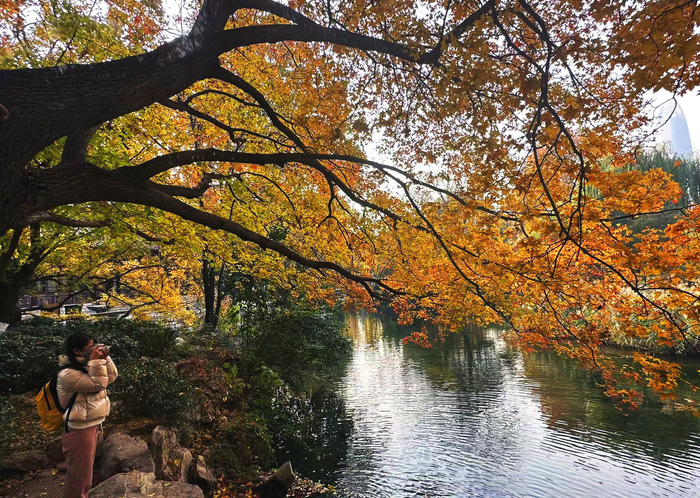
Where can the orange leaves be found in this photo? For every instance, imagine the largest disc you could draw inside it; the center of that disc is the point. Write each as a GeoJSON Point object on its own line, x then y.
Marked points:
{"type": "Point", "coordinates": [419, 339]}
{"type": "Point", "coordinates": [528, 220]}
{"type": "Point", "coordinates": [625, 398]}
{"type": "Point", "coordinates": [632, 192]}
{"type": "Point", "coordinates": [661, 375]}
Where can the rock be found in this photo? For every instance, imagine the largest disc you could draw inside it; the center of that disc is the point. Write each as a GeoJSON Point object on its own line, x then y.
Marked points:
{"type": "Point", "coordinates": [178, 466]}
{"type": "Point", "coordinates": [163, 440]}
{"type": "Point", "coordinates": [201, 476]}
{"type": "Point", "coordinates": [100, 446]}
{"type": "Point", "coordinates": [26, 461]}
{"type": "Point", "coordinates": [54, 451]}
{"type": "Point", "coordinates": [123, 453]}
{"type": "Point", "coordinates": [45, 473]}
{"type": "Point", "coordinates": [137, 484]}
{"type": "Point", "coordinates": [278, 484]}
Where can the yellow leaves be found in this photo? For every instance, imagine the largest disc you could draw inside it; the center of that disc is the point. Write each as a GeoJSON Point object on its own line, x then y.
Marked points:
{"type": "Point", "coordinates": [537, 236]}
{"type": "Point", "coordinates": [661, 375]}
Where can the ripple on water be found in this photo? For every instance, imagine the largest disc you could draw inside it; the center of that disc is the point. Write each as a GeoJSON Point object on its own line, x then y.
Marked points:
{"type": "Point", "coordinates": [429, 426]}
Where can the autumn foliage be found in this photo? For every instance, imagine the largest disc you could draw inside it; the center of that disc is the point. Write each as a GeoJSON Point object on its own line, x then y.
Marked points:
{"type": "Point", "coordinates": [466, 161]}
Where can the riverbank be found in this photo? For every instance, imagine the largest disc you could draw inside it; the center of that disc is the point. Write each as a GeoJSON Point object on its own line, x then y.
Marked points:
{"type": "Point", "coordinates": [231, 400]}
{"type": "Point", "coordinates": [687, 347]}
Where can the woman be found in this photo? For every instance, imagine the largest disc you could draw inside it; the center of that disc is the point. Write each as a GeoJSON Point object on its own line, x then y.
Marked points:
{"type": "Point", "coordinates": [87, 371]}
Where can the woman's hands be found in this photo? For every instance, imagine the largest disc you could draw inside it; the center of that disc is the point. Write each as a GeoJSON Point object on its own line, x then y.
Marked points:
{"type": "Point", "coordinates": [98, 354]}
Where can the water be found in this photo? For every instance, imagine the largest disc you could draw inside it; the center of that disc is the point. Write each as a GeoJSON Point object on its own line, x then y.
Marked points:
{"type": "Point", "coordinates": [476, 418]}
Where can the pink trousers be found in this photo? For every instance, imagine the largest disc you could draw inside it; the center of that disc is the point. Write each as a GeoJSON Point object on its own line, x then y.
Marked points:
{"type": "Point", "coordinates": [79, 448]}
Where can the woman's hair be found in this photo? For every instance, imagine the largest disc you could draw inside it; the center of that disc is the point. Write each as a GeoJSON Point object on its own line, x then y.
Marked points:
{"type": "Point", "coordinates": [76, 341]}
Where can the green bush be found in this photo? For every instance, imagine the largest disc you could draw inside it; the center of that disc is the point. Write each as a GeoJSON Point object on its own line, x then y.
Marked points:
{"type": "Point", "coordinates": [242, 446]}
{"type": "Point", "coordinates": [29, 352]}
{"type": "Point", "coordinates": [27, 362]}
{"type": "Point", "coordinates": [302, 344]}
{"type": "Point", "coordinates": [150, 387]}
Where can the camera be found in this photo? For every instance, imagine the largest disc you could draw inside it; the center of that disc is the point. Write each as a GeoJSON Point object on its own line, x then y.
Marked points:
{"type": "Point", "coordinates": [103, 348]}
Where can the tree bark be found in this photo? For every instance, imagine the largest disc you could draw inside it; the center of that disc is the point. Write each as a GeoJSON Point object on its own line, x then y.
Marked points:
{"type": "Point", "coordinates": [10, 312]}
{"type": "Point", "coordinates": [209, 284]}
{"type": "Point", "coordinates": [39, 106]}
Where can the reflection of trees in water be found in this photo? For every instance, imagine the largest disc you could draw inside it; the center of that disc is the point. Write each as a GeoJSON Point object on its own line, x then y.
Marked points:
{"type": "Point", "coordinates": [364, 328]}
{"type": "Point", "coordinates": [313, 433]}
{"type": "Point", "coordinates": [476, 359]}
{"type": "Point", "coordinates": [572, 401]}
{"type": "Point", "coordinates": [418, 428]}
{"type": "Point", "coordinates": [477, 395]}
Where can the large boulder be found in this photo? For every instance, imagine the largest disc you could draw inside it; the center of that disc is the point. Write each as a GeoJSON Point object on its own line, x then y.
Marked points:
{"type": "Point", "coordinates": [54, 451]}
{"type": "Point", "coordinates": [100, 445]}
{"type": "Point", "coordinates": [178, 466]}
{"type": "Point", "coordinates": [25, 461]}
{"type": "Point", "coordinates": [278, 484]}
{"type": "Point", "coordinates": [137, 484]}
{"type": "Point", "coordinates": [201, 476]}
{"type": "Point", "coordinates": [163, 441]}
{"type": "Point", "coordinates": [122, 453]}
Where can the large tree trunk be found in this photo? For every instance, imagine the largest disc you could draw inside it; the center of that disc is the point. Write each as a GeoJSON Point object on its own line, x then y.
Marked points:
{"type": "Point", "coordinates": [39, 106]}
{"type": "Point", "coordinates": [44, 105]}
{"type": "Point", "coordinates": [9, 304]}
{"type": "Point", "coordinates": [15, 277]}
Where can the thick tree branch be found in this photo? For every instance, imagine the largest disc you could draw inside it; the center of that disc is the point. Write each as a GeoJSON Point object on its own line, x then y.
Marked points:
{"type": "Point", "coordinates": [67, 222]}
{"type": "Point", "coordinates": [9, 252]}
{"type": "Point", "coordinates": [165, 162]}
{"type": "Point", "coordinates": [75, 148]}
{"type": "Point", "coordinates": [94, 184]}
{"type": "Point", "coordinates": [189, 192]}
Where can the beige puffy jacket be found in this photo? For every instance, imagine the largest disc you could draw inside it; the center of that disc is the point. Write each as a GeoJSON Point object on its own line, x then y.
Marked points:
{"type": "Point", "coordinates": [92, 404]}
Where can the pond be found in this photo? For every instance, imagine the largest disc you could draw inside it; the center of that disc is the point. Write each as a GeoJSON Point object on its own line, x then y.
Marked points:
{"type": "Point", "coordinates": [478, 418]}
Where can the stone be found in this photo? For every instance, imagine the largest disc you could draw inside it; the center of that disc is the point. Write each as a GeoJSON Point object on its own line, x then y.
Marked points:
{"type": "Point", "coordinates": [163, 441]}
{"type": "Point", "coordinates": [137, 484]}
{"type": "Point", "coordinates": [278, 484]}
{"type": "Point", "coordinates": [201, 476]}
{"type": "Point", "coordinates": [123, 453]}
{"type": "Point", "coordinates": [100, 446]}
{"type": "Point", "coordinates": [26, 461]}
{"type": "Point", "coordinates": [54, 451]}
{"type": "Point", "coordinates": [178, 465]}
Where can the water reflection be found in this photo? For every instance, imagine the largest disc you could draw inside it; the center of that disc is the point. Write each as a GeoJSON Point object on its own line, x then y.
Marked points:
{"type": "Point", "coordinates": [476, 418]}
{"type": "Point", "coordinates": [314, 433]}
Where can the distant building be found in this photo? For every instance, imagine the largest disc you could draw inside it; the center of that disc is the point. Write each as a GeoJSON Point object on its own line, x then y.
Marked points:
{"type": "Point", "coordinates": [674, 129]}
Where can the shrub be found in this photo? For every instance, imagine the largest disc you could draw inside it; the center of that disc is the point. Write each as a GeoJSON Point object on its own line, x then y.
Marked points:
{"type": "Point", "coordinates": [20, 426]}
{"type": "Point", "coordinates": [29, 352]}
{"type": "Point", "coordinates": [242, 446]}
{"type": "Point", "coordinates": [151, 338]}
{"type": "Point", "coordinates": [303, 343]}
{"type": "Point", "coordinates": [149, 387]}
{"type": "Point", "coordinates": [27, 362]}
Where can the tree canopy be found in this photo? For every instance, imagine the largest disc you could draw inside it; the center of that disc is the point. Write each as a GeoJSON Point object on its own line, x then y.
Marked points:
{"type": "Point", "coordinates": [501, 132]}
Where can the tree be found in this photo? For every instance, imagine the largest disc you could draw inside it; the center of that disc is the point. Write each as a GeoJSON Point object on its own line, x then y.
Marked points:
{"type": "Point", "coordinates": [495, 114]}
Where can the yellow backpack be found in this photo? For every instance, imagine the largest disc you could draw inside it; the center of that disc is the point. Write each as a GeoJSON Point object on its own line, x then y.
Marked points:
{"type": "Point", "coordinates": [50, 409]}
